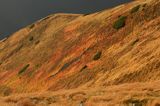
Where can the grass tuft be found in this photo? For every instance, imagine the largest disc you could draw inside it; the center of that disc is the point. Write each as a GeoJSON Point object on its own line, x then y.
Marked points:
{"type": "Point", "coordinates": [97, 55]}
{"type": "Point", "coordinates": [23, 69]}
{"type": "Point", "coordinates": [135, 9]}
{"type": "Point", "coordinates": [120, 22]}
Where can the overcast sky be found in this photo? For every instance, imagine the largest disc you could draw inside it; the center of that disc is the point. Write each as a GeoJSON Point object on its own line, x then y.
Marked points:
{"type": "Point", "coordinates": [15, 14]}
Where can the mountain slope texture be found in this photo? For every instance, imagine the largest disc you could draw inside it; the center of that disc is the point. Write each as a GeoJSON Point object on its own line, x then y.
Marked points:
{"type": "Point", "coordinates": [108, 58]}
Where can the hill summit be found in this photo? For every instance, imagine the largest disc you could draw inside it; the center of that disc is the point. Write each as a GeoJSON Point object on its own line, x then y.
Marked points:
{"type": "Point", "coordinates": [108, 58]}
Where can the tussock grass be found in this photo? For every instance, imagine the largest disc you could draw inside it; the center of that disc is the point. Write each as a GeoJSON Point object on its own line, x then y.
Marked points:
{"type": "Point", "coordinates": [23, 69]}
{"type": "Point", "coordinates": [97, 55]}
{"type": "Point", "coordinates": [135, 9]}
{"type": "Point", "coordinates": [120, 22]}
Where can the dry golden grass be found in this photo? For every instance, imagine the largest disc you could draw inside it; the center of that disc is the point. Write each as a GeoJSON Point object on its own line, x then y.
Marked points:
{"type": "Point", "coordinates": [138, 94]}
{"type": "Point", "coordinates": [59, 53]}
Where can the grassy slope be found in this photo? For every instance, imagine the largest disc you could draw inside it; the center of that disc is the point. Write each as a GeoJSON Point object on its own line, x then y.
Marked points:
{"type": "Point", "coordinates": [60, 50]}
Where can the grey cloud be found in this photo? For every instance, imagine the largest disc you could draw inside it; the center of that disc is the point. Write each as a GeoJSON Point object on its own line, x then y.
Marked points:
{"type": "Point", "coordinates": [15, 14]}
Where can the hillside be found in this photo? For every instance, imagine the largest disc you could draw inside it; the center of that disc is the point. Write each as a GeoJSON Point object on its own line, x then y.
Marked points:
{"type": "Point", "coordinates": [109, 58]}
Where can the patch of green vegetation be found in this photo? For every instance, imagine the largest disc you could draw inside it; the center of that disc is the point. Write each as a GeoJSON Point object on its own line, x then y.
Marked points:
{"type": "Point", "coordinates": [135, 9]}
{"type": "Point", "coordinates": [97, 55]}
{"type": "Point", "coordinates": [23, 69]}
{"type": "Point", "coordinates": [66, 65]}
{"type": "Point", "coordinates": [34, 70]}
{"type": "Point", "coordinates": [120, 22]}
{"type": "Point", "coordinates": [38, 65]}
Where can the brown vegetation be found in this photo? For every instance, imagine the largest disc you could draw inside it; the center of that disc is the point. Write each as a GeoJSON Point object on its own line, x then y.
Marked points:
{"type": "Point", "coordinates": [106, 58]}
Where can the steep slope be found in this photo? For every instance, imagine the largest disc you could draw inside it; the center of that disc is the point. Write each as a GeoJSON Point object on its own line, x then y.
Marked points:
{"type": "Point", "coordinates": [68, 51]}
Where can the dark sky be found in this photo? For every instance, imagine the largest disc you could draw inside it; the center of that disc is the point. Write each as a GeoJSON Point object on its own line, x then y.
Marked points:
{"type": "Point", "coordinates": [15, 14]}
